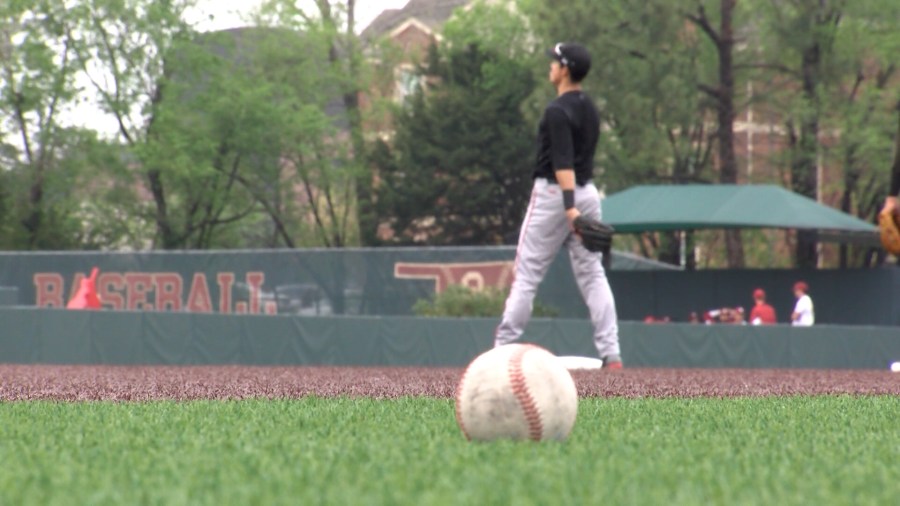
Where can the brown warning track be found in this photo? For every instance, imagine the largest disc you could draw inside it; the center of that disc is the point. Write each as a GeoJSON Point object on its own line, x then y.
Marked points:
{"type": "Point", "coordinates": [77, 383]}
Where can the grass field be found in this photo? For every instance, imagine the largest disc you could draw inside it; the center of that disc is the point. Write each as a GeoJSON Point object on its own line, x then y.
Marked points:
{"type": "Point", "coordinates": [792, 450]}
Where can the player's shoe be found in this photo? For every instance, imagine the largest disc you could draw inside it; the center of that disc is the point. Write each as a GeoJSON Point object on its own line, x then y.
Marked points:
{"type": "Point", "coordinates": [612, 362]}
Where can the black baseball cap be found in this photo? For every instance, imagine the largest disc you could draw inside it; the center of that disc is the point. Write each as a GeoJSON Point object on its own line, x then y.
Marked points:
{"type": "Point", "coordinates": [575, 57]}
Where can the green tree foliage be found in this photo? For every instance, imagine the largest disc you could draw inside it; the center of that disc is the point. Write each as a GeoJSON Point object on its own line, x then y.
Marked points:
{"type": "Point", "coordinates": [256, 138]}
{"type": "Point", "coordinates": [232, 135]}
{"type": "Point", "coordinates": [53, 193]}
{"type": "Point", "coordinates": [40, 157]}
{"type": "Point", "coordinates": [122, 49]}
{"type": "Point", "coordinates": [722, 37]}
{"type": "Point", "coordinates": [459, 168]}
{"type": "Point", "coordinates": [821, 70]}
{"type": "Point", "coordinates": [346, 75]}
{"type": "Point", "coordinates": [835, 61]}
{"type": "Point", "coordinates": [250, 123]}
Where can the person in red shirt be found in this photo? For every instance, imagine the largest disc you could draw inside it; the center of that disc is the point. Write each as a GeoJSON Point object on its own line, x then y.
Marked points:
{"type": "Point", "coordinates": [762, 313]}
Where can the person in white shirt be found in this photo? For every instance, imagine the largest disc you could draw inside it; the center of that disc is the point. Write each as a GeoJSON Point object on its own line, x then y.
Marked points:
{"type": "Point", "coordinates": [803, 315]}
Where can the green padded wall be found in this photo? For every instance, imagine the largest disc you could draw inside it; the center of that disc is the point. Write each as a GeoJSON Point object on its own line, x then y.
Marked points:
{"type": "Point", "coordinates": [57, 336]}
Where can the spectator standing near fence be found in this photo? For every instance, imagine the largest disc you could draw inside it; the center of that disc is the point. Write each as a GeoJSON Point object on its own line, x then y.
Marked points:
{"type": "Point", "coordinates": [804, 315]}
{"type": "Point", "coordinates": [762, 313]}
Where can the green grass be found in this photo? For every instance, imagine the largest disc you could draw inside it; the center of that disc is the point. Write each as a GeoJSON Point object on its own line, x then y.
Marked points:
{"type": "Point", "coordinates": [798, 450]}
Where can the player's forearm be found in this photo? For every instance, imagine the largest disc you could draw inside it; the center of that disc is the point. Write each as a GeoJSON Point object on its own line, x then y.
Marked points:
{"type": "Point", "coordinates": [566, 180]}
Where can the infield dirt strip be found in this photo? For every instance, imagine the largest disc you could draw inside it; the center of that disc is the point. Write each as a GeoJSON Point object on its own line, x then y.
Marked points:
{"type": "Point", "coordinates": [142, 383]}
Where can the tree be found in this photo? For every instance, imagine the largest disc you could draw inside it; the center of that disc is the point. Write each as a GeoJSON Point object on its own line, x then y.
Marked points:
{"type": "Point", "coordinates": [834, 61]}
{"type": "Point", "coordinates": [344, 52]}
{"type": "Point", "coordinates": [36, 81]}
{"type": "Point", "coordinates": [122, 49]}
{"type": "Point", "coordinates": [193, 146]}
{"type": "Point", "coordinates": [459, 168]}
{"type": "Point", "coordinates": [867, 104]}
{"type": "Point", "coordinates": [333, 22]}
{"type": "Point", "coordinates": [229, 130]}
{"type": "Point", "coordinates": [807, 34]}
{"type": "Point", "coordinates": [722, 94]}
{"type": "Point", "coordinates": [44, 162]}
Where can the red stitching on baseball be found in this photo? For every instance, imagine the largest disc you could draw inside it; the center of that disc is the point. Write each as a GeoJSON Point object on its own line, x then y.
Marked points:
{"type": "Point", "coordinates": [459, 391]}
{"type": "Point", "coordinates": [523, 395]}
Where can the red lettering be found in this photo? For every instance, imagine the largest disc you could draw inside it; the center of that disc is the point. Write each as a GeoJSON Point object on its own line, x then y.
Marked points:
{"type": "Point", "coordinates": [109, 284]}
{"type": "Point", "coordinates": [255, 280]}
{"type": "Point", "coordinates": [137, 285]}
{"type": "Point", "coordinates": [226, 281]}
{"type": "Point", "coordinates": [475, 275]}
{"type": "Point", "coordinates": [434, 272]}
{"type": "Point", "coordinates": [240, 308]}
{"type": "Point", "coordinates": [199, 300]}
{"type": "Point", "coordinates": [168, 291]}
{"type": "Point", "coordinates": [48, 287]}
{"type": "Point", "coordinates": [271, 307]}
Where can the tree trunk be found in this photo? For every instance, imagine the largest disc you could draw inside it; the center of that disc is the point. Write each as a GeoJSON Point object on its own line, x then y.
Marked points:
{"type": "Point", "coordinates": [728, 165]}
{"type": "Point", "coordinates": [32, 223]}
{"type": "Point", "coordinates": [851, 176]}
{"type": "Point", "coordinates": [804, 176]}
{"type": "Point", "coordinates": [669, 250]}
{"type": "Point", "coordinates": [366, 216]}
{"type": "Point", "coordinates": [690, 259]}
{"type": "Point", "coordinates": [165, 233]}
{"type": "Point", "coordinates": [36, 202]}
{"type": "Point", "coordinates": [350, 98]}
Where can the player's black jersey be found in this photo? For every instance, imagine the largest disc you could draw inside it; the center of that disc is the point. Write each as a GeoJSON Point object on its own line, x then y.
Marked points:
{"type": "Point", "coordinates": [567, 137]}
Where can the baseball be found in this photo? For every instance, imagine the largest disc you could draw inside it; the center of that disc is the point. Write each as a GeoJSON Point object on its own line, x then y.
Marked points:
{"type": "Point", "coordinates": [895, 367]}
{"type": "Point", "coordinates": [516, 391]}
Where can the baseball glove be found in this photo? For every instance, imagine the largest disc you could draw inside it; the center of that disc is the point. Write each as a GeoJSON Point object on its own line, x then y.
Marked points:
{"type": "Point", "coordinates": [595, 235]}
{"type": "Point", "coordinates": [890, 232]}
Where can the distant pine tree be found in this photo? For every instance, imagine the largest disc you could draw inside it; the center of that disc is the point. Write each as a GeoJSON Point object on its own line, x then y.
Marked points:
{"type": "Point", "coordinates": [459, 168]}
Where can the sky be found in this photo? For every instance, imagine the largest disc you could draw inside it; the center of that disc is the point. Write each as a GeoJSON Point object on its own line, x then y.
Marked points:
{"type": "Point", "coordinates": [232, 13]}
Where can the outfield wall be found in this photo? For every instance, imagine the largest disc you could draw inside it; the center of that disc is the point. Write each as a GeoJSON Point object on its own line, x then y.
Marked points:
{"type": "Point", "coordinates": [388, 282]}
{"type": "Point", "coordinates": [308, 282]}
{"type": "Point", "coordinates": [56, 336]}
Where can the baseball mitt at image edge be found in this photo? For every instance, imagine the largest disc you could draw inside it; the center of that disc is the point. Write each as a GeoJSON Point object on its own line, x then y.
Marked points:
{"type": "Point", "coordinates": [890, 232]}
{"type": "Point", "coordinates": [595, 235]}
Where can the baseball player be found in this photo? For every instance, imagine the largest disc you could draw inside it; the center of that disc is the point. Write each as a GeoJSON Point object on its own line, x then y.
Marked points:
{"type": "Point", "coordinates": [565, 209]}
{"type": "Point", "coordinates": [762, 313]}
{"type": "Point", "coordinates": [804, 314]}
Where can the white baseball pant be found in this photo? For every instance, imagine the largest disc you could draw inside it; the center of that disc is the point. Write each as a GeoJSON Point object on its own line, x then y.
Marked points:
{"type": "Point", "coordinates": [544, 231]}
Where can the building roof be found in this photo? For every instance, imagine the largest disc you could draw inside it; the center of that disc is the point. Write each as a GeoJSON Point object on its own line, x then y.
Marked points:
{"type": "Point", "coordinates": [692, 207]}
{"type": "Point", "coordinates": [431, 13]}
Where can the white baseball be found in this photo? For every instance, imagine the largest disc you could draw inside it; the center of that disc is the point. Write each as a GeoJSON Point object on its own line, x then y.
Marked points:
{"type": "Point", "coordinates": [516, 391]}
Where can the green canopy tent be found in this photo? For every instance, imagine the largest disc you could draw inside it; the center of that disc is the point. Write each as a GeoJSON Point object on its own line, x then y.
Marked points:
{"type": "Point", "coordinates": [693, 207]}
